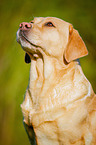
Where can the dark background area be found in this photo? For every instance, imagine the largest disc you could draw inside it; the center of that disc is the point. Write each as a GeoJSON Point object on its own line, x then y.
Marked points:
{"type": "Point", "coordinates": [14, 73]}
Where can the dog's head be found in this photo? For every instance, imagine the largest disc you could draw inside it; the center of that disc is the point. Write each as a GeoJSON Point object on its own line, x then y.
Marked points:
{"type": "Point", "coordinates": [51, 36]}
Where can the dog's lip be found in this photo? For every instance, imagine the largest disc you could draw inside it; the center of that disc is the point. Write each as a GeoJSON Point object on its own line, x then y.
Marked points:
{"type": "Point", "coordinates": [34, 53]}
{"type": "Point", "coordinates": [22, 35]}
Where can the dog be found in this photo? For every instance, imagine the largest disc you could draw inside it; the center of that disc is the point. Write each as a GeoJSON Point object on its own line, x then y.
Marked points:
{"type": "Point", "coordinates": [59, 107]}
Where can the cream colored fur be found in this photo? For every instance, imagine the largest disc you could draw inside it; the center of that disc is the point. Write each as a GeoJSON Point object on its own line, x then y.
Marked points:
{"type": "Point", "coordinates": [59, 102]}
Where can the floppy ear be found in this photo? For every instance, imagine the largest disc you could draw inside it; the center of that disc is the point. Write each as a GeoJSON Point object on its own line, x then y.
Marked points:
{"type": "Point", "coordinates": [76, 47]}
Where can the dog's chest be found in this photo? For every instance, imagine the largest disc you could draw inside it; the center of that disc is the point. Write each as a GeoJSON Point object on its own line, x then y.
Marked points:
{"type": "Point", "coordinates": [60, 126]}
{"type": "Point", "coordinates": [51, 100]}
{"type": "Point", "coordinates": [58, 89]}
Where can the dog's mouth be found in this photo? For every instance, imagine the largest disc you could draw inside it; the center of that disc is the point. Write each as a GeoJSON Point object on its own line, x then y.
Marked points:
{"type": "Point", "coordinates": [23, 36]}
{"type": "Point", "coordinates": [34, 54]}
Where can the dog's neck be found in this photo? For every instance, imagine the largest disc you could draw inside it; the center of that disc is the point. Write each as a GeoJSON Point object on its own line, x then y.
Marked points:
{"type": "Point", "coordinates": [43, 72]}
{"type": "Point", "coordinates": [44, 68]}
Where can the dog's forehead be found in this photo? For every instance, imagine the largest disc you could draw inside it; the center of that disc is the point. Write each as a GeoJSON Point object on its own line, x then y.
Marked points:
{"type": "Point", "coordinates": [38, 19]}
{"type": "Point", "coordinates": [55, 20]}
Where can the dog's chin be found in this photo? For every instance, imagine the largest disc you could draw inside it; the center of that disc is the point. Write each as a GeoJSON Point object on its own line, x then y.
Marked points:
{"type": "Point", "coordinates": [26, 46]}
{"type": "Point", "coordinates": [25, 43]}
{"type": "Point", "coordinates": [32, 50]}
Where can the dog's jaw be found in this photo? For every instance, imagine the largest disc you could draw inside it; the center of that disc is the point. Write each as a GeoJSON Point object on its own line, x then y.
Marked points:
{"type": "Point", "coordinates": [33, 50]}
{"type": "Point", "coordinates": [27, 45]}
{"type": "Point", "coordinates": [23, 42]}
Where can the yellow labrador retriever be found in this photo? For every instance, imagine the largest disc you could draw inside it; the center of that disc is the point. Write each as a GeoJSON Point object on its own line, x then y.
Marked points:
{"type": "Point", "coordinates": [59, 107]}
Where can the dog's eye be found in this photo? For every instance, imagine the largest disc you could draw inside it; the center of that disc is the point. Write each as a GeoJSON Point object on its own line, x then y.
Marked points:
{"type": "Point", "coordinates": [49, 24]}
{"type": "Point", "coordinates": [31, 22]}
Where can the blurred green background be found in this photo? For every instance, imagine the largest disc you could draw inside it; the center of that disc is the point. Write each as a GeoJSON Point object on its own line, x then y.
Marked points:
{"type": "Point", "coordinates": [14, 73]}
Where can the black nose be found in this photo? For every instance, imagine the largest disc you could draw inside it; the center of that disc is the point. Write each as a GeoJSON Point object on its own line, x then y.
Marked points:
{"type": "Point", "coordinates": [25, 26]}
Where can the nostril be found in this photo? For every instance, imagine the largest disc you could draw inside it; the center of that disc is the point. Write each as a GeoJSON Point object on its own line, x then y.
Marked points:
{"type": "Point", "coordinates": [25, 26]}
{"type": "Point", "coordinates": [21, 25]}
{"type": "Point", "coordinates": [28, 25]}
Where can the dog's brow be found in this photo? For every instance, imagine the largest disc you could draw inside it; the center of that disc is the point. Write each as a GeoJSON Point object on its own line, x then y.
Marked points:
{"type": "Point", "coordinates": [38, 20]}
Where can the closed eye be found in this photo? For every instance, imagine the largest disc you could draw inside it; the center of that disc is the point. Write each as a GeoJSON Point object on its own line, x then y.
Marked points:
{"type": "Point", "coordinates": [49, 24]}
